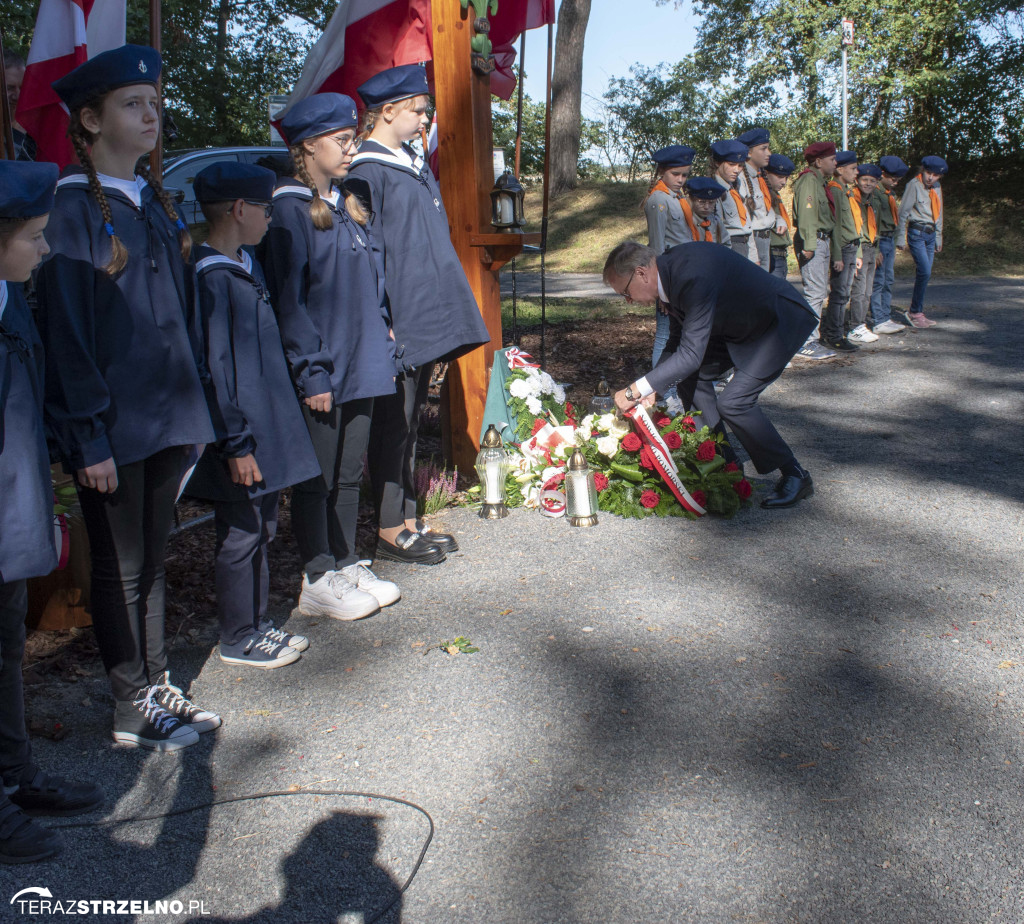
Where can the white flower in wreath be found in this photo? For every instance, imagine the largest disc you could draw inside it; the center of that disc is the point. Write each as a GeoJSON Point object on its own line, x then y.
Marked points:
{"type": "Point", "coordinates": [586, 425]}
{"type": "Point", "coordinates": [605, 422]}
{"type": "Point", "coordinates": [560, 394]}
{"type": "Point", "coordinates": [519, 388]}
{"type": "Point", "coordinates": [619, 428]}
{"type": "Point", "coordinates": [533, 405]}
{"type": "Point", "coordinates": [608, 446]}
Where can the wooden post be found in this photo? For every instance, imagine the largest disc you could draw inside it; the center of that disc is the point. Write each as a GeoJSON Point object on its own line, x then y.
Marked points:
{"type": "Point", "coordinates": [466, 164]}
{"type": "Point", "coordinates": [156, 156]}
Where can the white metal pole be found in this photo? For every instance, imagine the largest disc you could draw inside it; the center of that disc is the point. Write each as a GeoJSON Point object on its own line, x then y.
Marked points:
{"type": "Point", "coordinates": [846, 139]}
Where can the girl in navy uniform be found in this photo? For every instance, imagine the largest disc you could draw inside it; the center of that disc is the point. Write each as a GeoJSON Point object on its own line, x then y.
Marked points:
{"type": "Point", "coordinates": [126, 378]}
{"type": "Point", "coordinates": [27, 546]}
{"type": "Point", "coordinates": [262, 444]}
{"type": "Point", "coordinates": [326, 284]}
{"type": "Point", "coordinates": [433, 312]}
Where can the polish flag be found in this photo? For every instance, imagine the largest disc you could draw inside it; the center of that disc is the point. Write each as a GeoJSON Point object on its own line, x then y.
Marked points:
{"type": "Point", "coordinates": [365, 37]}
{"type": "Point", "coordinates": [67, 33]}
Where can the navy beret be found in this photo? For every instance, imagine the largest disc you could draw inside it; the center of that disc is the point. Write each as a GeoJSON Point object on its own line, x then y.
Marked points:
{"type": "Point", "coordinates": [843, 158]}
{"type": "Point", "coordinates": [819, 149]}
{"type": "Point", "coordinates": [119, 67]}
{"type": "Point", "coordinates": [934, 164]}
{"type": "Point", "coordinates": [675, 155]}
{"type": "Point", "coordinates": [780, 165]}
{"type": "Point", "coordinates": [26, 188]}
{"type": "Point", "coordinates": [870, 170]}
{"type": "Point", "coordinates": [735, 152]}
{"type": "Point", "coordinates": [317, 115]}
{"type": "Point", "coordinates": [893, 165]}
{"type": "Point", "coordinates": [228, 180]}
{"type": "Point", "coordinates": [394, 84]}
{"type": "Point", "coordinates": [704, 187]}
{"type": "Point", "coordinates": [754, 137]}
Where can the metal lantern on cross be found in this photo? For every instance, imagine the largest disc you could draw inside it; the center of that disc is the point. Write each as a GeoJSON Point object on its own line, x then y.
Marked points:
{"type": "Point", "coordinates": [492, 468]}
{"type": "Point", "coordinates": [602, 401]}
{"type": "Point", "coordinates": [507, 203]}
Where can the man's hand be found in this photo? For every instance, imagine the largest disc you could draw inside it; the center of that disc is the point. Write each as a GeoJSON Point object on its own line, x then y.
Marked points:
{"type": "Point", "coordinates": [860, 263]}
{"type": "Point", "coordinates": [245, 471]}
{"type": "Point", "coordinates": [879, 259]}
{"type": "Point", "coordinates": [938, 249]}
{"type": "Point", "coordinates": [807, 254]}
{"type": "Point", "coordinates": [100, 477]}
{"type": "Point", "coordinates": [320, 403]}
{"type": "Point", "coordinates": [837, 265]}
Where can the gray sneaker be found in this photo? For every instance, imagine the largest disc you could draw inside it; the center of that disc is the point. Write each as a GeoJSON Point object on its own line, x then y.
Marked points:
{"type": "Point", "coordinates": [812, 351]}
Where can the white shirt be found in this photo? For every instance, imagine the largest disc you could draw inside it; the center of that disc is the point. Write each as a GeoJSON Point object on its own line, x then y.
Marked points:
{"type": "Point", "coordinates": [131, 188]}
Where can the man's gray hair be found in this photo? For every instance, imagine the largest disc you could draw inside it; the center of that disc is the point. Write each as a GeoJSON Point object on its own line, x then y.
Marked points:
{"type": "Point", "coordinates": [624, 260]}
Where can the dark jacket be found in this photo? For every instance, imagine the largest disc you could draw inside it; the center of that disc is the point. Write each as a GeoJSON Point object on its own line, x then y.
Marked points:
{"type": "Point", "coordinates": [125, 372]}
{"type": "Point", "coordinates": [722, 303]}
{"type": "Point", "coordinates": [327, 288]}
{"type": "Point", "coordinates": [433, 312]}
{"type": "Point", "coordinates": [27, 543]}
{"type": "Point", "coordinates": [256, 409]}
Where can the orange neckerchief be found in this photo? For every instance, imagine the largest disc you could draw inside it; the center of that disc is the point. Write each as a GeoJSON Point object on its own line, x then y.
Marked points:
{"type": "Point", "coordinates": [858, 219]}
{"type": "Point", "coordinates": [892, 207]}
{"type": "Point", "coordinates": [936, 203]}
{"type": "Point", "coordinates": [706, 225]}
{"type": "Point", "coordinates": [661, 187]}
{"type": "Point", "coordinates": [785, 216]}
{"type": "Point", "coordinates": [688, 215]}
{"type": "Point", "coordinates": [765, 191]}
{"type": "Point", "coordinates": [872, 222]}
{"type": "Point", "coordinates": [740, 207]}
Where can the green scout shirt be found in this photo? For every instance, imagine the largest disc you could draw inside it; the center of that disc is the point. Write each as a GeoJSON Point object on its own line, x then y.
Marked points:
{"type": "Point", "coordinates": [880, 203]}
{"type": "Point", "coordinates": [845, 231]}
{"type": "Point", "coordinates": [811, 211]}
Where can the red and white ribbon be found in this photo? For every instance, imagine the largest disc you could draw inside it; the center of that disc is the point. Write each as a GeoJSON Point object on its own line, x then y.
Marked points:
{"type": "Point", "coordinates": [62, 539]}
{"type": "Point", "coordinates": [517, 359]}
{"type": "Point", "coordinates": [660, 454]}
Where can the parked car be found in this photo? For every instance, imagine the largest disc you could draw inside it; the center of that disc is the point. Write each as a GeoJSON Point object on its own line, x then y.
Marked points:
{"type": "Point", "coordinates": [180, 170]}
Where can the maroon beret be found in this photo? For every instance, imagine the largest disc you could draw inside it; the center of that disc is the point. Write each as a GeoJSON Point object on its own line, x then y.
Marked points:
{"type": "Point", "coordinates": [819, 149]}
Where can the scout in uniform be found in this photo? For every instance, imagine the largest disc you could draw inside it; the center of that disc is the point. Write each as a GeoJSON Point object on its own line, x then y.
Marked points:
{"type": "Point", "coordinates": [845, 254]}
{"type": "Point", "coordinates": [920, 229]}
{"type": "Point", "coordinates": [668, 218]}
{"type": "Point", "coordinates": [778, 171]}
{"type": "Point", "coordinates": [262, 443]}
{"type": "Point", "coordinates": [126, 377]}
{"type": "Point", "coordinates": [757, 193]}
{"type": "Point", "coordinates": [814, 217]}
{"type": "Point", "coordinates": [433, 312]}
{"type": "Point", "coordinates": [27, 546]}
{"type": "Point", "coordinates": [326, 282]}
{"type": "Point", "coordinates": [861, 199]}
{"type": "Point", "coordinates": [703, 192]}
{"type": "Point", "coordinates": [887, 214]}
{"type": "Point", "coordinates": [728, 158]}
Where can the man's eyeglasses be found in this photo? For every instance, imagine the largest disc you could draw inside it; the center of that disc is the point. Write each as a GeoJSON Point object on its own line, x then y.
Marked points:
{"type": "Point", "coordinates": [268, 207]}
{"type": "Point", "coordinates": [625, 291]}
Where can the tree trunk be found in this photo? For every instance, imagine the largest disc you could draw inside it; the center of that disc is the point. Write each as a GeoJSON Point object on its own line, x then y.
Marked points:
{"type": "Point", "coordinates": [567, 92]}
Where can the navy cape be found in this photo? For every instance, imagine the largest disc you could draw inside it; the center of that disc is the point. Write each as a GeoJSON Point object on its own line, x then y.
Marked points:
{"type": "Point", "coordinates": [327, 288]}
{"type": "Point", "coordinates": [256, 410]}
{"type": "Point", "coordinates": [125, 372]}
{"type": "Point", "coordinates": [433, 312]}
{"type": "Point", "coordinates": [27, 546]}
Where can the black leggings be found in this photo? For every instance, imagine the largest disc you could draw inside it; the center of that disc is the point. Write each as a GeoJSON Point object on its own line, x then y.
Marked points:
{"type": "Point", "coordinates": [15, 751]}
{"type": "Point", "coordinates": [128, 532]}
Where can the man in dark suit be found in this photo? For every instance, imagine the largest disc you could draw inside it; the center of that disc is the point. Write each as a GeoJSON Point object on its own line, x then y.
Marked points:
{"type": "Point", "coordinates": [727, 312]}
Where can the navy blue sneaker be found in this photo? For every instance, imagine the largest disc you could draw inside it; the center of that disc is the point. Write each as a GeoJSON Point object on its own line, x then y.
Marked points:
{"type": "Point", "coordinates": [260, 651]}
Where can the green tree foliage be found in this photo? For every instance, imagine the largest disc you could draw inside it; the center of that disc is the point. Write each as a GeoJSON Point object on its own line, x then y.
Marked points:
{"type": "Point", "coordinates": [932, 75]}
{"type": "Point", "coordinates": [503, 115]}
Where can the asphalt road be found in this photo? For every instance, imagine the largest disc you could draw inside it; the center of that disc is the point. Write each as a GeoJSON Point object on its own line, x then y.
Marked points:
{"type": "Point", "coordinates": [810, 715]}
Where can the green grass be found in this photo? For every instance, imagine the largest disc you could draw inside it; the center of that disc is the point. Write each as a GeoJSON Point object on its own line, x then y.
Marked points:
{"type": "Point", "coordinates": [984, 233]}
{"type": "Point", "coordinates": [563, 309]}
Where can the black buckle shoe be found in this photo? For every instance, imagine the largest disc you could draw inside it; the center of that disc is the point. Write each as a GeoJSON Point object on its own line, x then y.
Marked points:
{"type": "Point", "coordinates": [22, 840]}
{"type": "Point", "coordinates": [411, 549]}
{"type": "Point", "coordinates": [446, 542]}
{"type": "Point", "coordinates": [842, 345]}
{"type": "Point", "coordinates": [789, 490]}
{"type": "Point", "coordinates": [51, 795]}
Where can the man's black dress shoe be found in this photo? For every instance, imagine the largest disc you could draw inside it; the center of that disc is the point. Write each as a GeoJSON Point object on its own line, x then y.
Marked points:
{"type": "Point", "coordinates": [22, 840]}
{"type": "Point", "coordinates": [789, 490]}
{"type": "Point", "coordinates": [50, 795]}
{"type": "Point", "coordinates": [410, 548]}
{"type": "Point", "coordinates": [446, 542]}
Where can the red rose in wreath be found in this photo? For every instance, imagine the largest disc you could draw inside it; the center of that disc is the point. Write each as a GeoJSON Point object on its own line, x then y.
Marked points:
{"type": "Point", "coordinates": [631, 442]}
{"type": "Point", "coordinates": [600, 481]}
{"type": "Point", "coordinates": [539, 424]}
{"type": "Point", "coordinates": [743, 488]}
{"type": "Point", "coordinates": [662, 422]}
{"type": "Point", "coordinates": [690, 424]}
{"type": "Point", "coordinates": [569, 409]}
{"type": "Point", "coordinates": [706, 451]}
{"type": "Point", "coordinates": [650, 499]}
{"type": "Point", "coordinates": [730, 467]}
{"type": "Point", "coordinates": [646, 459]}
{"type": "Point", "coordinates": [700, 498]}
{"type": "Point", "coordinates": [570, 422]}
{"type": "Point", "coordinates": [673, 440]}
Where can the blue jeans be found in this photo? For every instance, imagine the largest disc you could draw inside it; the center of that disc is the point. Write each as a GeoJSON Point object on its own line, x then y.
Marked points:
{"type": "Point", "coordinates": [881, 292]}
{"type": "Point", "coordinates": [777, 262]}
{"type": "Point", "coordinates": [922, 249]}
{"type": "Point", "coordinates": [660, 340]}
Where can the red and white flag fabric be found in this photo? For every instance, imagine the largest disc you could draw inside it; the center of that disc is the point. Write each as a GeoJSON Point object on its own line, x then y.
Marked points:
{"type": "Point", "coordinates": [67, 33]}
{"type": "Point", "coordinates": [365, 37]}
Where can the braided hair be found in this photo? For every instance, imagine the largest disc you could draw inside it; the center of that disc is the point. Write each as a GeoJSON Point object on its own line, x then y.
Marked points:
{"type": "Point", "coordinates": [318, 210]}
{"type": "Point", "coordinates": [81, 140]}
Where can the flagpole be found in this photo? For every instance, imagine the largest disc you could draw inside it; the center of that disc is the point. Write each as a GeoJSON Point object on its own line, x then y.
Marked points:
{"type": "Point", "coordinates": [156, 156]}
{"type": "Point", "coordinates": [519, 103]}
{"type": "Point", "coordinates": [547, 194]}
{"type": "Point", "coordinates": [6, 116]}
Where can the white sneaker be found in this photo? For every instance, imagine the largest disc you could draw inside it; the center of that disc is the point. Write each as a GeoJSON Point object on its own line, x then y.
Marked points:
{"type": "Point", "coordinates": [889, 327]}
{"type": "Point", "coordinates": [385, 592]}
{"type": "Point", "coordinates": [336, 596]}
{"type": "Point", "coordinates": [861, 334]}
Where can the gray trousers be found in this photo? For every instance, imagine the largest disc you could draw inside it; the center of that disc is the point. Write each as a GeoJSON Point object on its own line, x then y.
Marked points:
{"type": "Point", "coordinates": [863, 284]}
{"type": "Point", "coordinates": [741, 244]}
{"type": "Point", "coordinates": [764, 252]}
{"type": "Point", "coordinates": [840, 284]}
{"type": "Point", "coordinates": [814, 274]}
